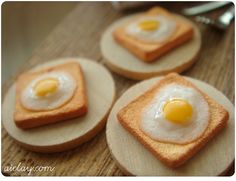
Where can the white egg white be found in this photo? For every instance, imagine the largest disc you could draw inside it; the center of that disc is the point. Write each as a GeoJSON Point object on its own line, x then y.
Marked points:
{"type": "Point", "coordinates": [166, 28]}
{"type": "Point", "coordinates": [64, 93]}
{"type": "Point", "coordinates": [154, 124]}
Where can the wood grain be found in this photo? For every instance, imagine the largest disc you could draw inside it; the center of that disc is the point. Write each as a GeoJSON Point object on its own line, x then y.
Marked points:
{"type": "Point", "coordinates": [79, 35]}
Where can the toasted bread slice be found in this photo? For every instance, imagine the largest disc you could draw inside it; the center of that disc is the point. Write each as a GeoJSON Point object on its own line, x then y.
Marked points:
{"type": "Point", "coordinates": [76, 106]}
{"type": "Point", "coordinates": [171, 154]}
{"type": "Point", "coordinates": [149, 52]}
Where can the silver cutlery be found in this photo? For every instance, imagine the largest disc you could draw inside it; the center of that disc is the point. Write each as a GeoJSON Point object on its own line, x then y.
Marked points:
{"type": "Point", "coordinates": [204, 8]}
{"type": "Point", "coordinates": [222, 22]}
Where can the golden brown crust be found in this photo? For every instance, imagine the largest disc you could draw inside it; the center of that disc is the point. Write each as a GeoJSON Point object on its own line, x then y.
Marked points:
{"type": "Point", "coordinates": [171, 154]}
{"type": "Point", "coordinates": [148, 52]}
{"type": "Point", "coordinates": [77, 106]}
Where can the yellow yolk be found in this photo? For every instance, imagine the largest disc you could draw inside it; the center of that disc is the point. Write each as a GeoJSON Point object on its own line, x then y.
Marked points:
{"type": "Point", "coordinates": [149, 25]}
{"type": "Point", "coordinates": [46, 86]}
{"type": "Point", "coordinates": [178, 111]}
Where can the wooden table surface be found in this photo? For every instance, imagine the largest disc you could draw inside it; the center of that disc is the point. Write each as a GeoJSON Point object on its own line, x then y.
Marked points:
{"type": "Point", "coordinates": [78, 35]}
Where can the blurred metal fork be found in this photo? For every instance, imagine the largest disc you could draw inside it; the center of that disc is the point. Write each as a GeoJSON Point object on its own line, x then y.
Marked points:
{"type": "Point", "coordinates": [222, 22]}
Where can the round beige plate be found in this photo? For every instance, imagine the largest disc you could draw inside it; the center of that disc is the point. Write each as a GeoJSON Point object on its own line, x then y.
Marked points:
{"type": "Point", "coordinates": [134, 159]}
{"type": "Point", "coordinates": [126, 64]}
{"type": "Point", "coordinates": [67, 134]}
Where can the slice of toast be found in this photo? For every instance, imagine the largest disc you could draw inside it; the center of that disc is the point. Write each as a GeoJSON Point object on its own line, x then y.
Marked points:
{"type": "Point", "coordinates": [149, 52]}
{"type": "Point", "coordinates": [171, 154]}
{"type": "Point", "coordinates": [76, 106]}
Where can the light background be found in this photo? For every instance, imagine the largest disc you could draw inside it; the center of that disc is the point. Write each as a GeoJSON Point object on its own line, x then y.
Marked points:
{"type": "Point", "coordinates": [24, 26]}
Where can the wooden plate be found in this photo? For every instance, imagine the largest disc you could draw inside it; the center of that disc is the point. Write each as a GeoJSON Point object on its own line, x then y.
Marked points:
{"type": "Point", "coordinates": [68, 134]}
{"type": "Point", "coordinates": [126, 64]}
{"type": "Point", "coordinates": [134, 159]}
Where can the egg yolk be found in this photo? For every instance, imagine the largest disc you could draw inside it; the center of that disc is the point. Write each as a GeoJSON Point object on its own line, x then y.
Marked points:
{"type": "Point", "coordinates": [149, 25]}
{"type": "Point", "coordinates": [178, 111]}
{"type": "Point", "coordinates": [46, 86]}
